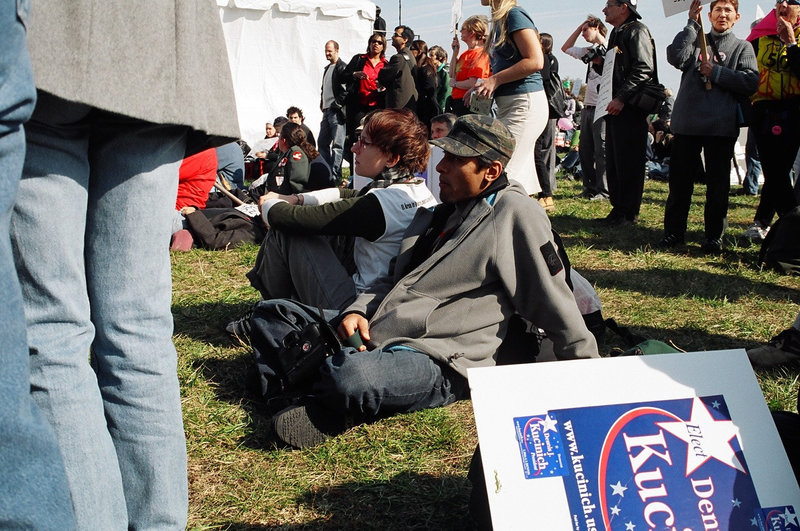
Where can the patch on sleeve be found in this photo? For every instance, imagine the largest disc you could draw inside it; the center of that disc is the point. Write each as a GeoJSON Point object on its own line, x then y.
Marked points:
{"type": "Point", "coordinates": [551, 258]}
{"type": "Point", "coordinates": [297, 155]}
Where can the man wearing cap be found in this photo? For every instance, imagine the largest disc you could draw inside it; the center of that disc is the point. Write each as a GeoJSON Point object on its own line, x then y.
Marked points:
{"type": "Point", "coordinates": [626, 125]}
{"type": "Point", "coordinates": [464, 269]}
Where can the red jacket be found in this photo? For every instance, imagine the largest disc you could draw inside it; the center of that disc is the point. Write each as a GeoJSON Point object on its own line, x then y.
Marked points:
{"type": "Point", "coordinates": [196, 178]}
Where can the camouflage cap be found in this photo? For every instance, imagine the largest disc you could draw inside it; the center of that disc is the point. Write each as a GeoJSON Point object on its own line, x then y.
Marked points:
{"type": "Point", "coordinates": [478, 135]}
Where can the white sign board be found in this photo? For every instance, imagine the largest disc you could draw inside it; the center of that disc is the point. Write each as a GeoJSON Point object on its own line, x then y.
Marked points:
{"type": "Point", "coordinates": [673, 7]}
{"type": "Point", "coordinates": [673, 441]}
{"type": "Point", "coordinates": [606, 85]}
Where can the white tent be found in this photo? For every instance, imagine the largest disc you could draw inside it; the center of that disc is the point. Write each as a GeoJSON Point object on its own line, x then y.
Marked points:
{"type": "Point", "coordinates": [276, 52]}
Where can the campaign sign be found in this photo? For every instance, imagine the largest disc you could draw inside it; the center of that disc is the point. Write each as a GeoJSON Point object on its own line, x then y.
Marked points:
{"type": "Point", "coordinates": [654, 458]}
{"type": "Point", "coordinates": [540, 447]}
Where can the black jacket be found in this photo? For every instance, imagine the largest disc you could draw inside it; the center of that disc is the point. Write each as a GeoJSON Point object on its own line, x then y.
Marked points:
{"type": "Point", "coordinates": [339, 86]}
{"type": "Point", "coordinates": [399, 79]}
{"type": "Point", "coordinates": [635, 61]}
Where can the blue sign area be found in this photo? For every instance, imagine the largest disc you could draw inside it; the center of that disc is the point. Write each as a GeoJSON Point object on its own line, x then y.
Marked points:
{"type": "Point", "coordinates": [540, 447]}
{"type": "Point", "coordinates": [671, 464]}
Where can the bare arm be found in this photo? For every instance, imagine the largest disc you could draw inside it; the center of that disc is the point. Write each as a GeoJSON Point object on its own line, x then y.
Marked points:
{"type": "Point", "coordinates": [532, 61]}
{"type": "Point", "coordinates": [570, 42]}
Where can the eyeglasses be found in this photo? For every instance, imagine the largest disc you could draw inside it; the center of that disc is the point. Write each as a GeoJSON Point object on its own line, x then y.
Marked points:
{"type": "Point", "coordinates": [789, 2]}
{"type": "Point", "coordinates": [397, 35]}
{"type": "Point", "coordinates": [374, 41]}
{"type": "Point", "coordinates": [363, 142]}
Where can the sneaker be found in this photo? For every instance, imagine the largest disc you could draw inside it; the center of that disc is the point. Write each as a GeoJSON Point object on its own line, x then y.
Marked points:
{"type": "Point", "coordinates": [240, 328]}
{"type": "Point", "coordinates": [756, 231]}
{"type": "Point", "coordinates": [181, 241]}
{"type": "Point", "coordinates": [670, 240]}
{"type": "Point", "coordinates": [781, 349]}
{"type": "Point", "coordinates": [547, 204]}
{"type": "Point", "coordinates": [711, 246]}
{"type": "Point", "coordinates": [599, 197]}
{"type": "Point", "coordinates": [305, 425]}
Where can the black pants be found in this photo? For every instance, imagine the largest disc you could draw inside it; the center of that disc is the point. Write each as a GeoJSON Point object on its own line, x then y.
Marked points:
{"type": "Point", "coordinates": [544, 152]}
{"type": "Point", "coordinates": [626, 141]}
{"type": "Point", "coordinates": [718, 151]}
{"type": "Point", "coordinates": [777, 134]}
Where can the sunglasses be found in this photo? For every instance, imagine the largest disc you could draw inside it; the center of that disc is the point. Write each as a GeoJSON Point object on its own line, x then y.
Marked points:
{"type": "Point", "coordinates": [373, 41]}
{"type": "Point", "coordinates": [790, 2]}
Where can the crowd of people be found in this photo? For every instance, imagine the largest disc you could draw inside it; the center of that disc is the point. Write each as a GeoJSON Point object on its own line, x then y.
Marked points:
{"type": "Point", "coordinates": [420, 287]}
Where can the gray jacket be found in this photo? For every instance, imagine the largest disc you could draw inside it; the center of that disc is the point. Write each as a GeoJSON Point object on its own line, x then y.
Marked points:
{"type": "Point", "coordinates": [159, 61]}
{"type": "Point", "coordinates": [702, 112]}
{"type": "Point", "coordinates": [456, 304]}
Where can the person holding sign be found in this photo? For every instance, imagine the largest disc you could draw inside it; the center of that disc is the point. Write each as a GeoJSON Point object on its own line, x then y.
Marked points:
{"type": "Point", "coordinates": [776, 106]}
{"type": "Point", "coordinates": [706, 118]}
{"type": "Point", "coordinates": [631, 49]}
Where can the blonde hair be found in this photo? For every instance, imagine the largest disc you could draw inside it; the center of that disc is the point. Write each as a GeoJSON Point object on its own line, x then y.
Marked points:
{"type": "Point", "coordinates": [479, 25]}
{"type": "Point", "coordinates": [500, 9]}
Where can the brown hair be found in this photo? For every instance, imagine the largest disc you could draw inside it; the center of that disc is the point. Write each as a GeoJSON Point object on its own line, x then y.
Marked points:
{"type": "Point", "coordinates": [399, 132]}
{"type": "Point", "coordinates": [383, 42]}
{"type": "Point", "coordinates": [734, 3]}
{"type": "Point", "coordinates": [547, 43]}
{"type": "Point", "coordinates": [594, 22]}
{"type": "Point", "coordinates": [294, 135]}
{"type": "Point", "coordinates": [477, 24]}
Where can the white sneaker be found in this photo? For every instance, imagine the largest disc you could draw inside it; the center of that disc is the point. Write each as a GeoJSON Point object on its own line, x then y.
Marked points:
{"type": "Point", "coordinates": [756, 231]}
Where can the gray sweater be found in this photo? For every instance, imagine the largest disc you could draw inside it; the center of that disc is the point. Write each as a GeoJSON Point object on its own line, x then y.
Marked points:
{"type": "Point", "coordinates": [702, 112]}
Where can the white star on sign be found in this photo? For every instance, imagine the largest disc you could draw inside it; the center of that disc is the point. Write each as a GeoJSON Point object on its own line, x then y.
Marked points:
{"type": "Point", "coordinates": [705, 438]}
{"type": "Point", "coordinates": [789, 517]}
{"type": "Point", "coordinates": [618, 489]}
{"type": "Point", "coordinates": [736, 502]}
{"type": "Point", "coordinates": [615, 510]}
{"type": "Point", "coordinates": [715, 404]}
{"type": "Point", "coordinates": [548, 424]}
{"type": "Point", "coordinates": [629, 526]}
{"type": "Point", "coordinates": [754, 522]}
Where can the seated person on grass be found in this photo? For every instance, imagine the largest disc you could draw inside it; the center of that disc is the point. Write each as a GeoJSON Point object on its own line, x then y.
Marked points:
{"type": "Point", "coordinates": [325, 247]}
{"type": "Point", "coordinates": [463, 270]}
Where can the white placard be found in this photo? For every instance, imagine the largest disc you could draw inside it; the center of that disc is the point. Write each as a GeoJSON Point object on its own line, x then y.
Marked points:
{"type": "Point", "coordinates": [606, 85]}
{"type": "Point", "coordinates": [612, 461]}
{"type": "Point", "coordinates": [673, 7]}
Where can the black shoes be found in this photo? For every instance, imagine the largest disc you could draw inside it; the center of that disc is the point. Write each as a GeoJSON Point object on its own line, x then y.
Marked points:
{"type": "Point", "coordinates": [306, 425]}
{"type": "Point", "coordinates": [240, 328]}
{"type": "Point", "coordinates": [711, 246]}
{"type": "Point", "coordinates": [670, 240]}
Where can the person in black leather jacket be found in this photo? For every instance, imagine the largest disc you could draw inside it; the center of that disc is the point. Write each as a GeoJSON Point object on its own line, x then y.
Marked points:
{"type": "Point", "coordinates": [626, 136]}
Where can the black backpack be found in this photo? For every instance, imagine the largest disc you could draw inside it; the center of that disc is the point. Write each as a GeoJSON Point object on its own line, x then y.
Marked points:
{"type": "Point", "coordinates": [781, 247]}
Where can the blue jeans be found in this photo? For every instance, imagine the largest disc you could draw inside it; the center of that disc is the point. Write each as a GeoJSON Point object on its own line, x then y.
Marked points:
{"type": "Point", "coordinates": [331, 140]}
{"type": "Point", "coordinates": [750, 182]}
{"type": "Point", "coordinates": [90, 232]}
{"type": "Point", "coordinates": [33, 487]}
{"type": "Point", "coordinates": [378, 382]}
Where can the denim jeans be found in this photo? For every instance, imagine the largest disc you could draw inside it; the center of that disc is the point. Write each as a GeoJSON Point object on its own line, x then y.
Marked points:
{"type": "Point", "coordinates": [750, 182]}
{"type": "Point", "coordinates": [90, 232]}
{"type": "Point", "coordinates": [331, 140]}
{"type": "Point", "coordinates": [33, 487]}
{"type": "Point", "coordinates": [365, 385]}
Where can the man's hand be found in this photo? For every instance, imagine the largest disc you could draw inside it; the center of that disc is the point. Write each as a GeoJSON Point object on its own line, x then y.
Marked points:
{"type": "Point", "coordinates": [785, 31]}
{"type": "Point", "coordinates": [615, 107]}
{"type": "Point", "coordinates": [269, 195]}
{"type": "Point", "coordinates": [355, 323]}
{"type": "Point", "coordinates": [694, 11]}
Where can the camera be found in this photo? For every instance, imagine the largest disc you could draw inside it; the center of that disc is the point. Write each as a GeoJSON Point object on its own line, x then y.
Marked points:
{"type": "Point", "coordinates": [593, 53]}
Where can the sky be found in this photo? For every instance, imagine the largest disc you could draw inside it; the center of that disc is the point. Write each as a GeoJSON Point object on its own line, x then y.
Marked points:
{"type": "Point", "coordinates": [430, 20]}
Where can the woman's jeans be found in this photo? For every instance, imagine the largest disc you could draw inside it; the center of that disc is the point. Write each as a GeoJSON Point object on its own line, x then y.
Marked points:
{"type": "Point", "coordinates": [91, 232]}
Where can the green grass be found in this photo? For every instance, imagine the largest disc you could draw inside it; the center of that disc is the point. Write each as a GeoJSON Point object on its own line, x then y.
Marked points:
{"type": "Point", "coordinates": [409, 472]}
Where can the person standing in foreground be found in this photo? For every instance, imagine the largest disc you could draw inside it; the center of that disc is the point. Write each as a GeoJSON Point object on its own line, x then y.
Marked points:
{"type": "Point", "coordinates": [516, 85]}
{"type": "Point", "coordinates": [626, 124]}
{"type": "Point", "coordinates": [446, 303]}
{"type": "Point", "coordinates": [592, 149]}
{"type": "Point", "coordinates": [706, 119]}
{"type": "Point", "coordinates": [399, 76]}
{"type": "Point", "coordinates": [776, 106]}
{"type": "Point", "coordinates": [105, 140]}
{"type": "Point", "coordinates": [331, 102]}
{"type": "Point", "coordinates": [34, 493]}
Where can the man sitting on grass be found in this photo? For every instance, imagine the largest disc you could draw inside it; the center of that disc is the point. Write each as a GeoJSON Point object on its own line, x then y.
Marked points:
{"type": "Point", "coordinates": [464, 269]}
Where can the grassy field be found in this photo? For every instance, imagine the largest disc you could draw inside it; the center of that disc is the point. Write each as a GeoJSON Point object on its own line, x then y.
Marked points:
{"type": "Point", "coordinates": [409, 472]}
